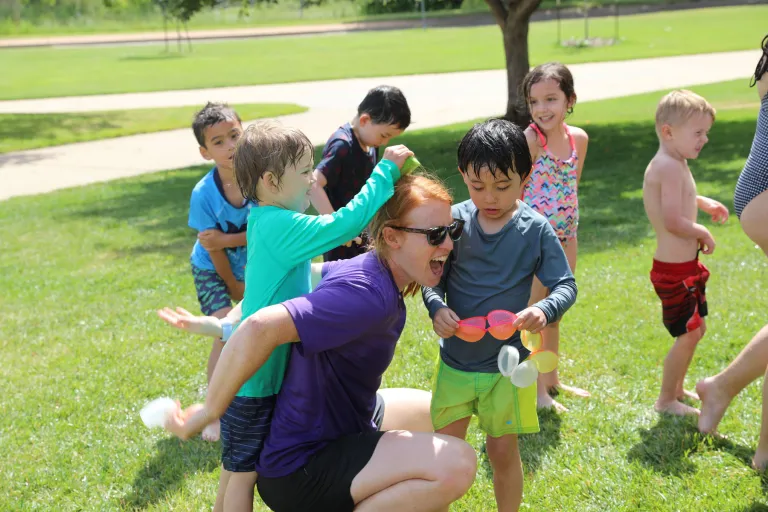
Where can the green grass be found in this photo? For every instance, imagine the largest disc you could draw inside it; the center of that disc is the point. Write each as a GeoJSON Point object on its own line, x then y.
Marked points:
{"type": "Point", "coordinates": [29, 131]}
{"type": "Point", "coordinates": [49, 72]}
{"type": "Point", "coordinates": [84, 269]}
{"type": "Point", "coordinates": [260, 15]}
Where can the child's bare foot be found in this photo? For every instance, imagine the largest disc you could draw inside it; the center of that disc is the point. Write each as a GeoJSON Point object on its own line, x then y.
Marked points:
{"type": "Point", "coordinates": [212, 432]}
{"type": "Point", "coordinates": [583, 393]}
{"type": "Point", "coordinates": [760, 460]}
{"type": "Point", "coordinates": [545, 401]}
{"type": "Point", "coordinates": [684, 393]}
{"type": "Point", "coordinates": [714, 402]}
{"type": "Point", "coordinates": [676, 408]}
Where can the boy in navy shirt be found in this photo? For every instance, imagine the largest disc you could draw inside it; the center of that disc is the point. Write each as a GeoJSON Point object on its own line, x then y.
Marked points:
{"type": "Point", "coordinates": [219, 213]}
{"type": "Point", "coordinates": [351, 153]}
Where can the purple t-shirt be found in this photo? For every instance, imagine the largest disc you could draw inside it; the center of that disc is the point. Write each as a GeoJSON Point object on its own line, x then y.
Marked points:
{"type": "Point", "coordinates": [348, 327]}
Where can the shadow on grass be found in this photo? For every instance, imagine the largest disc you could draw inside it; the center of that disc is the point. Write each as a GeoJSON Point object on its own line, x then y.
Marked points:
{"type": "Point", "coordinates": [667, 446]}
{"type": "Point", "coordinates": [755, 507]}
{"type": "Point", "coordinates": [165, 473]}
{"type": "Point", "coordinates": [610, 193]}
{"type": "Point", "coordinates": [17, 130]}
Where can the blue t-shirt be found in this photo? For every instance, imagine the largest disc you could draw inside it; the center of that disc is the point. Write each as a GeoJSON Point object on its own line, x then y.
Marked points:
{"type": "Point", "coordinates": [209, 209]}
{"type": "Point", "coordinates": [349, 327]}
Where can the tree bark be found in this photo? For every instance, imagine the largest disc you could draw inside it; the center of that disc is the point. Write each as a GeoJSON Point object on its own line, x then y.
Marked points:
{"type": "Point", "coordinates": [513, 17]}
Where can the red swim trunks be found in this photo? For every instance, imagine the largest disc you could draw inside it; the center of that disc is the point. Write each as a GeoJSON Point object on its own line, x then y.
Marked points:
{"type": "Point", "coordinates": [681, 288]}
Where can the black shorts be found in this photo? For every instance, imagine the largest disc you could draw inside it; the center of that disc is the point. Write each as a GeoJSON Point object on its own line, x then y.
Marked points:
{"type": "Point", "coordinates": [323, 484]}
{"type": "Point", "coordinates": [244, 426]}
{"type": "Point", "coordinates": [378, 411]}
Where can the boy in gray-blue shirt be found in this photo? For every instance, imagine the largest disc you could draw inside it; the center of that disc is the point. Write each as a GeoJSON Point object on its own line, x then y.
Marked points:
{"type": "Point", "coordinates": [504, 244]}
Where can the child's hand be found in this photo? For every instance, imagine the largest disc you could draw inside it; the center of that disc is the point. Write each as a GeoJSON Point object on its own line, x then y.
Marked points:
{"type": "Point", "coordinates": [531, 319]}
{"type": "Point", "coordinates": [397, 154]}
{"type": "Point", "coordinates": [357, 240]}
{"type": "Point", "coordinates": [236, 291]}
{"type": "Point", "coordinates": [707, 244]}
{"type": "Point", "coordinates": [716, 209]}
{"type": "Point", "coordinates": [212, 239]}
{"type": "Point", "coordinates": [176, 423]}
{"type": "Point", "coordinates": [445, 323]}
{"type": "Point", "coordinates": [186, 321]}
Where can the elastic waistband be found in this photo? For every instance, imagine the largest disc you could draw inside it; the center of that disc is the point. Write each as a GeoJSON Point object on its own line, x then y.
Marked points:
{"type": "Point", "coordinates": [685, 267]}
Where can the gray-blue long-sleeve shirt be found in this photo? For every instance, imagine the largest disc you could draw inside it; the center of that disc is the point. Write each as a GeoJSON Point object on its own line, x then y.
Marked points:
{"type": "Point", "coordinates": [487, 272]}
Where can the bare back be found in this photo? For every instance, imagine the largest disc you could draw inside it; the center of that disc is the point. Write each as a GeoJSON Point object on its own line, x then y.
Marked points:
{"type": "Point", "coordinates": [669, 194]}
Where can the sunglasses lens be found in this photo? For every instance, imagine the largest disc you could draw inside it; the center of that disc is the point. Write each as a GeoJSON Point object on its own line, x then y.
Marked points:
{"type": "Point", "coordinates": [456, 229]}
{"type": "Point", "coordinates": [436, 236]}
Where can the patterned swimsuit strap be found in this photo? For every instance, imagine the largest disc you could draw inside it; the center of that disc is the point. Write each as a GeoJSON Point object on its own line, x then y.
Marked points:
{"type": "Point", "coordinates": [543, 141]}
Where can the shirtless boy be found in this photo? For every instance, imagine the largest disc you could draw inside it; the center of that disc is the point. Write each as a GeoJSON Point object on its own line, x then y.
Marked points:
{"type": "Point", "coordinates": [683, 120]}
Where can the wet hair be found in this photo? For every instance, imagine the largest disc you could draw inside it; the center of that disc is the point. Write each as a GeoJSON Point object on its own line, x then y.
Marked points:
{"type": "Point", "coordinates": [762, 64]}
{"type": "Point", "coordinates": [549, 71]}
{"type": "Point", "coordinates": [678, 106]}
{"type": "Point", "coordinates": [497, 144]}
{"type": "Point", "coordinates": [209, 115]}
{"type": "Point", "coordinates": [267, 146]}
{"type": "Point", "coordinates": [411, 191]}
{"type": "Point", "coordinates": [386, 104]}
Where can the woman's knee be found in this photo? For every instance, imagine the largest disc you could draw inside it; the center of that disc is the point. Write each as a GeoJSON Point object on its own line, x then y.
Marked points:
{"type": "Point", "coordinates": [455, 467]}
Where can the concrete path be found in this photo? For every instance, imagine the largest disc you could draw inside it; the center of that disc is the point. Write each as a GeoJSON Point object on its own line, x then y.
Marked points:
{"type": "Point", "coordinates": [435, 100]}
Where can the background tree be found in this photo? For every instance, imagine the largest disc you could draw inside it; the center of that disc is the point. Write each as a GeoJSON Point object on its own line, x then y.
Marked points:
{"type": "Point", "coordinates": [513, 17]}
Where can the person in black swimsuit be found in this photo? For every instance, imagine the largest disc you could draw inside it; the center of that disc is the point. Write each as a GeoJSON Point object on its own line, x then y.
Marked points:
{"type": "Point", "coordinates": [751, 205]}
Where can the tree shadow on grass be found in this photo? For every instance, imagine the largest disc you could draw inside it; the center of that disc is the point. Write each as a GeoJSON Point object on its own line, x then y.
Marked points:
{"type": "Point", "coordinates": [754, 507]}
{"type": "Point", "coordinates": [667, 446]}
{"type": "Point", "coordinates": [610, 192]}
{"type": "Point", "coordinates": [164, 474]}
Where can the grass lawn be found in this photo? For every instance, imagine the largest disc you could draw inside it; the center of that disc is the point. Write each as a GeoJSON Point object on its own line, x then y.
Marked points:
{"type": "Point", "coordinates": [29, 131]}
{"type": "Point", "coordinates": [84, 269]}
{"type": "Point", "coordinates": [286, 12]}
{"type": "Point", "coordinates": [51, 72]}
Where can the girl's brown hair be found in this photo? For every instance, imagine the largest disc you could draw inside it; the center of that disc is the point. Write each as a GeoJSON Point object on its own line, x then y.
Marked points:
{"type": "Point", "coordinates": [411, 191]}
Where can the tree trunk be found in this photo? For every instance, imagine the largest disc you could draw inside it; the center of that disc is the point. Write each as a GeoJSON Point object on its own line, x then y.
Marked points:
{"type": "Point", "coordinates": [16, 12]}
{"type": "Point", "coordinates": [516, 52]}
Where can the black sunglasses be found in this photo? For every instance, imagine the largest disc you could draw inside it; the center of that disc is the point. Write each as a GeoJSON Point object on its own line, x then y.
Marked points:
{"type": "Point", "coordinates": [762, 64]}
{"type": "Point", "coordinates": [436, 235]}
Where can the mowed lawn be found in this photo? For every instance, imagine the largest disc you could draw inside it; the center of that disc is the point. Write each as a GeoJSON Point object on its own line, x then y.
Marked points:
{"type": "Point", "coordinates": [84, 269]}
{"type": "Point", "coordinates": [68, 71]}
{"type": "Point", "coordinates": [30, 131]}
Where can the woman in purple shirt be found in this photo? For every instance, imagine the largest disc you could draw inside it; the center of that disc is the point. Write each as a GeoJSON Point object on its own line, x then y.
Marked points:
{"type": "Point", "coordinates": [324, 452]}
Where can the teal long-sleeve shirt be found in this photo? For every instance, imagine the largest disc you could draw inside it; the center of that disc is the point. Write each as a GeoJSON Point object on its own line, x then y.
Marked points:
{"type": "Point", "coordinates": [281, 245]}
{"type": "Point", "coordinates": [495, 271]}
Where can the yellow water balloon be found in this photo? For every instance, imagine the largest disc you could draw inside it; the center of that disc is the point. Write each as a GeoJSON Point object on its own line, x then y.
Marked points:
{"type": "Point", "coordinates": [530, 340]}
{"type": "Point", "coordinates": [545, 360]}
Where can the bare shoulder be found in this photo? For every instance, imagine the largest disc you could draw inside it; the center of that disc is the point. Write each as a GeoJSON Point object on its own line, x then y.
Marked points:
{"type": "Point", "coordinates": [579, 135]}
{"type": "Point", "coordinates": [663, 169]}
{"type": "Point", "coordinates": [534, 145]}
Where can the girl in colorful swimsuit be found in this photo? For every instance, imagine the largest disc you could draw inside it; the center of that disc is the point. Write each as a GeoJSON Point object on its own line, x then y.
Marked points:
{"type": "Point", "coordinates": [558, 153]}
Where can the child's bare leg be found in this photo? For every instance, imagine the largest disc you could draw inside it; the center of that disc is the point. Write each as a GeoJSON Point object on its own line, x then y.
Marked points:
{"type": "Point", "coordinates": [456, 429]}
{"type": "Point", "coordinates": [544, 384]}
{"type": "Point", "coordinates": [504, 455]}
{"type": "Point", "coordinates": [681, 391]}
{"type": "Point", "coordinates": [239, 496]}
{"type": "Point", "coordinates": [223, 479]}
{"type": "Point", "coordinates": [675, 366]}
{"type": "Point", "coordinates": [717, 392]}
{"type": "Point", "coordinates": [213, 431]}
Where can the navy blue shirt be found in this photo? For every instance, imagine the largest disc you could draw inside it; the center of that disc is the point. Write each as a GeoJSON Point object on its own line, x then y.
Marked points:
{"type": "Point", "coordinates": [346, 167]}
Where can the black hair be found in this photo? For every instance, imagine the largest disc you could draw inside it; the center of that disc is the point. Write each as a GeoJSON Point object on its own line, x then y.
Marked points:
{"type": "Point", "coordinates": [209, 115]}
{"type": "Point", "coordinates": [386, 104]}
{"type": "Point", "coordinates": [497, 144]}
{"type": "Point", "coordinates": [762, 64]}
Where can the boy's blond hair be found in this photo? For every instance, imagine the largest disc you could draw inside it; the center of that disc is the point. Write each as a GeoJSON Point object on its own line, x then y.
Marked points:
{"type": "Point", "coordinates": [266, 146]}
{"type": "Point", "coordinates": [679, 106]}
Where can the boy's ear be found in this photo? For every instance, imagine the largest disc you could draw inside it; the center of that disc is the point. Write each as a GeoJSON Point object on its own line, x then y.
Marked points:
{"type": "Point", "coordinates": [271, 181]}
{"type": "Point", "coordinates": [666, 131]}
{"type": "Point", "coordinates": [204, 153]}
{"type": "Point", "coordinates": [364, 119]}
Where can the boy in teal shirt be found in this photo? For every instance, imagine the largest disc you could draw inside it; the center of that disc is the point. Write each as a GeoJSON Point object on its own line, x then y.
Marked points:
{"type": "Point", "coordinates": [273, 166]}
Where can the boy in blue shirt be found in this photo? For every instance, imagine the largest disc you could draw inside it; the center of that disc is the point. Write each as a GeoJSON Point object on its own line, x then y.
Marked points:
{"type": "Point", "coordinates": [504, 244]}
{"type": "Point", "coordinates": [351, 153]}
{"type": "Point", "coordinates": [219, 212]}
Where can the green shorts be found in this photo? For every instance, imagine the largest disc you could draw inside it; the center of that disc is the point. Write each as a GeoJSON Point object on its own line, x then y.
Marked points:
{"type": "Point", "coordinates": [501, 407]}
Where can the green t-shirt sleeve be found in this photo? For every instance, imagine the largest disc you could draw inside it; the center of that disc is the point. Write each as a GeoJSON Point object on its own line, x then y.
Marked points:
{"type": "Point", "coordinates": [298, 237]}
